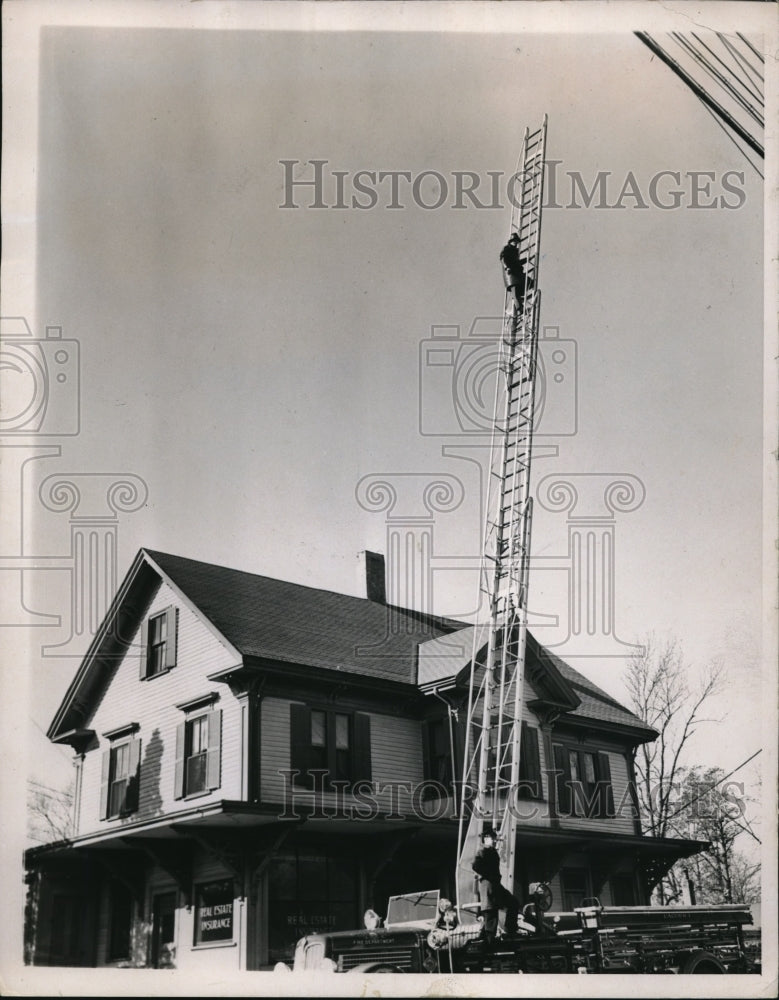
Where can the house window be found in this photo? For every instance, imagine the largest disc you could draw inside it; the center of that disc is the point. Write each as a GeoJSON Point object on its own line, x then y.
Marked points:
{"type": "Point", "coordinates": [158, 643]}
{"type": "Point", "coordinates": [575, 886]}
{"type": "Point", "coordinates": [198, 754]}
{"type": "Point", "coordinates": [623, 890]}
{"type": "Point", "coordinates": [214, 912]}
{"type": "Point", "coordinates": [583, 783]}
{"type": "Point", "coordinates": [309, 894]}
{"type": "Point", "coordinates": [158, 636]}
{"type": "Point", "coordinates": [440, 752]}
{"type": "Point", "coordinates": [335, 743]}
{"type": "Point", "coordinates": [120, 779]}
{"type": "Point", "coordinates": [120, 922]}
{"type": "Point", "coordinates": [343, 747]}
{"type": "Point", "coordinates": [66, 930]}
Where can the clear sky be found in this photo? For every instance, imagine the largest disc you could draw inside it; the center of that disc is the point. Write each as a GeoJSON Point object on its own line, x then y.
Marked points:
{"type": "Point", "coordinates": [253, 363]}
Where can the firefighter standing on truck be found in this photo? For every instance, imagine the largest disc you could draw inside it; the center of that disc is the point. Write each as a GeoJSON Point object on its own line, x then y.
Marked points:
{"type": "Point", "coordinates": [493, 895]}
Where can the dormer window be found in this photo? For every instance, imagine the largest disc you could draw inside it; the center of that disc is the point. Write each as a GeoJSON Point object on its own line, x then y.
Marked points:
{"type": "Point", "coordinates": [159, 643]}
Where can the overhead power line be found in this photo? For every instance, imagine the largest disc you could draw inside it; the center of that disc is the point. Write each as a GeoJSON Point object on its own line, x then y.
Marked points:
{"type": "Point", "coordinates": [714, 73]}
{"type": "Point", "coordinates": [708, 788]}
{"type": "Point", "coordinates": [728, 69]}
{"type": "Point", "coordinates": [701, 93]}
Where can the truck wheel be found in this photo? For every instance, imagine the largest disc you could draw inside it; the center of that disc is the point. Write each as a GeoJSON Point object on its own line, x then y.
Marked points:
{"type": "Point", "coordinates": [702, 962]}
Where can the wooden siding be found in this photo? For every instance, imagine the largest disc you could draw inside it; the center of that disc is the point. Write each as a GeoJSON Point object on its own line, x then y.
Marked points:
{"type": "Point", "coordinates": [152, 704]}
{"type": "Point", "coordinates": [396, 756]}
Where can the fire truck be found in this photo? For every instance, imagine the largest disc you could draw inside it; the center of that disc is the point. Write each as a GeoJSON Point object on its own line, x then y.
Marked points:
{"type": "Point", "coordinates": [591, 940]}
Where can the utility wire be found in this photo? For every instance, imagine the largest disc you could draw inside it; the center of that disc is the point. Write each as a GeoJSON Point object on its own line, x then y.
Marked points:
{"type": "Point", "coordinates": [700, 93]}
{"type": "Point", "coordinates": [747, 42]}
{"type": "Point", "coordinates": [716, 75]}
{"type": "Point", "coordinates": [740, 59]}
{"type": "Point", "coordinates": [728, 69]}
{"type": "Point", "coordinates": [735, 142]}
{"type": "Point", "coordinates": [756, 94]}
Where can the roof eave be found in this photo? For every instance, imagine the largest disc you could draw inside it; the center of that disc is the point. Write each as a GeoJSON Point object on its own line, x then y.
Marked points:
{"type": "Point", "coordinates": [105, 630]}
{"type": "Point", "coordinates": [637, 733]}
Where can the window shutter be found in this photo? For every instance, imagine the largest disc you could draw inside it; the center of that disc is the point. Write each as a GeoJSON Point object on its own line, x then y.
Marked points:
{"type": "Point", "coordinates": [426, 766]}
{"type": "Point", "coordinates": [502, 752]}
{"type": "Point", "coordinates": [214, 759]}
{"type": "Point", "coordinates": [143, 654]}
{"type": "Point", "coordinates": [105, 782]}
{"type": "Point", "coordinates": [299, 743]}
{"type": "Point", "coordinates": [531, 769]}
{"type": "Point", "coordinates": [606, 793]}
{"type": "Point", "coordinates": [171, 638]}
{"type": "Point", "coordinates": [563, 768]}
{"type": "Point", "coordinates": [474, 748]}
{"type": "Point", "coordinates": [133, 778]}
{"type": "Point", "coordinates": [181, 745]}
{"type": "Point", "coordinates": [361, 765]}
{"type": "Point", "coordinates": [634, 796]}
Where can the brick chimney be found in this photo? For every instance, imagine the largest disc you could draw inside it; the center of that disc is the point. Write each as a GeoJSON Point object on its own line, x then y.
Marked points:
{"type": "Point", "coordinates": [373, 573]}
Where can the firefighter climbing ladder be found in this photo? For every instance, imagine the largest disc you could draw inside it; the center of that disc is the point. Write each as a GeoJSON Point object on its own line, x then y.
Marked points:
{"type": "Point", "coordinates": [493, 724]}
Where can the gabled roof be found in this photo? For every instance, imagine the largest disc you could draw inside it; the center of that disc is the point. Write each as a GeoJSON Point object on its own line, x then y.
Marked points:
{"type": "Point", "coordinates": [274, 620]}
{"type": "Point", "coordinates": [596, 704]}
{"type": "Point", "coordinates": [255, 617]}
{"type": "Point", "coordinates": [445, 662]}
{"type": "Point", "coordinates": [259, 618]}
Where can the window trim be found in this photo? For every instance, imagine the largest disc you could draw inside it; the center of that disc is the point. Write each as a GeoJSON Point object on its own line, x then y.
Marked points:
{"type": "Point", "coordinates": [128, 730]}
{"type": "Point", "coordinates": [202, 701]}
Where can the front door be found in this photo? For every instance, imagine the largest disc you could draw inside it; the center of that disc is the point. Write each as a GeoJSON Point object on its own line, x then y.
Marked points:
{"type": "Point", "coordinates": [163, 938]}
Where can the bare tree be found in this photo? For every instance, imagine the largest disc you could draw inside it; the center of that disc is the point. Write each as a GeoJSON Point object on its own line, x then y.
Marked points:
{"type": "Point", "coordinates": [666, 695]}
{"type": "Point", "coordinates": [49, 812]}
{"type": "Point", "coordinates": [714, 809]}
